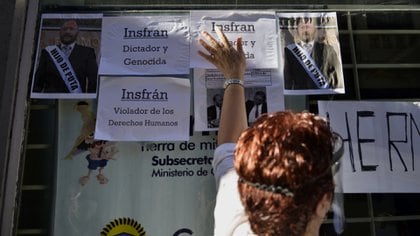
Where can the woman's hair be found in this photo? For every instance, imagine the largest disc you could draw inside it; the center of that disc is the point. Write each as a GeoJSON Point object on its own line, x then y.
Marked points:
{"type": "Point", "coordinates": [283, 162]}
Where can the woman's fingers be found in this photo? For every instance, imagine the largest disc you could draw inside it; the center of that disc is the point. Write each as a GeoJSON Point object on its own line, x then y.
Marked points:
{"type": "Point", "coordinates": [206, 56]}
{"type": "Point", "coordinates": [223, 38]}
{"type": "Point", "coordinates": [221, 53]}
{"type": "Point", "coordinates": [212, 42]}
{"type": "Point", "coordinates": [239, 47]}
{"type": "Point", "coordinates": [209, 48]}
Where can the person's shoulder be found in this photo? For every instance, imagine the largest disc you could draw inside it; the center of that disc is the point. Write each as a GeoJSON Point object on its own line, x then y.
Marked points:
{"type": "Point", "coordinates": [85, 50]}
{"type": "Point", "coordinates": [82, 47]}
{"type": "Point", "coordinates": [52, 45]}
{"type": "Point", "coordinates": [49, 47]}
{"type": "Point", "coordinates": [288, 51]}
{"type": "Point", "coordinates": [289, 46]}
{"type": "Point", "coordinates": [44, 51]}
{"type": "Point", "coordinates": [322, 45]}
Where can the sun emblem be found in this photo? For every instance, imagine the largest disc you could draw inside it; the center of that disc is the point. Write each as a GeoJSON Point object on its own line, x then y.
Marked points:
{"type": "Point", "coordinates": [123, 227]}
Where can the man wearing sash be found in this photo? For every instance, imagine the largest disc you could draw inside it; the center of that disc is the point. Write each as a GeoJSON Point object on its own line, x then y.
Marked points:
{"type": "Point", "coordinates": [308, 63]}
{"type": "Point", "coordinates": [67, 67]}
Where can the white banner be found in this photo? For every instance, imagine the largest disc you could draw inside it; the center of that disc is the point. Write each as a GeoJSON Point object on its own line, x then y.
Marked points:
{"type": "Point", "coordinates": [257, 29]}
{"type": "Point", "coordinates": [145, 45]}
{"type": "Point", "coordinates": [381, 141]}
{"type": "Point", "coordinates": [167, 188]}
{"type": "Point", "coordinates": [143, 109]}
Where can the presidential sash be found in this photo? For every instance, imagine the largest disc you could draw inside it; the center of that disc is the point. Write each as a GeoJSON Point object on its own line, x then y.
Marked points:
{"type": "Point", "coordinates": [309, 65]}
{"type": "Point", "coordinates": [65, 69]}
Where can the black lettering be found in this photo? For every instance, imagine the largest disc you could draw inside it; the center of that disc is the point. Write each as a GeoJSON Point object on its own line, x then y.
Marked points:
{"type": "Point", "coordinates": [391, 143]}
{"type": "Point", "coordinates": [144, 94]}
{"type": "Point", "coordinates": [144, 33]}
{"type": "Point", "coordinates": [233, 27]}
{"type": "Point", "coordinates": [412, 121]}
{"type": "Point", "coordinates": [348, 140]}
{"type": "Point", "coordinates": [360, 141]}
{"type": "Point", "coordinates": [183, 231]}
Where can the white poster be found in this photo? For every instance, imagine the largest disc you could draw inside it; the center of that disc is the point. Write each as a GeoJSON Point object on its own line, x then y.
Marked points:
{"type": "Point", "coordinates": [143, 109]}
{"type": "Point", "coordinates": [310, 55]}
{"type": "Point", "coordinates": [257, 29]}
{"type": "Point", "coordinates": [263, 94]}
{"type": "Point", "coordinates": [145, 45]}
{"type": "Point", "coordinates": [157, 188]}
{"type": "Point", "coordinates": [66, 61]}
{"type": "Point", "coordinates": [381, 141]}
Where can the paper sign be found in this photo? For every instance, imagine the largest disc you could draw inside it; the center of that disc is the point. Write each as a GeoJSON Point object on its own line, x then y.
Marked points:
{"type": "Point", "coordinates": [381, 141]}
{"type": "Point", "coordinates": [66, 61]}
{"type": "Point", "coordinates": [143, 109]}
{"type": "Point", "coordinates": [263, 93]}
{"type": "Point", "coordinates": [257, 29]}
{"type": "Point", "coordinates": [310, 56]}
{"type": "Point", "coordinates": [145, 45]}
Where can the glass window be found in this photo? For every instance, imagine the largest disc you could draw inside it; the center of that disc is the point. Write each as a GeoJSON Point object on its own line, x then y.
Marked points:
{"type": "Point", "coordinates": [388, 48]}
{"type": "Point", "coordinates": [386, 66]}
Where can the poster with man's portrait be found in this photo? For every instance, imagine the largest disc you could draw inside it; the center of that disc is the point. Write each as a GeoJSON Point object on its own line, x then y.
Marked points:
{"type": "Point", "coordinates": [310, 53]}
{"type": "Point", "coordinates": [263, 94]}
{"type": "Point", "coordinates": [66, 64]}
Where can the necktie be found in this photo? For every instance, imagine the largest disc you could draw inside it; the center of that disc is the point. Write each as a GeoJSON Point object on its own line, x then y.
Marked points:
{"type": "Point", "coordinates": [66, 50]}
{"type": "Point", "coordinates": [308, 47]}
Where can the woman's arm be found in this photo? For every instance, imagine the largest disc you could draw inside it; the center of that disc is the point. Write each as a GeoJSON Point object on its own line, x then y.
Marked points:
{"type": "Point", "coordinates": [231, 62]}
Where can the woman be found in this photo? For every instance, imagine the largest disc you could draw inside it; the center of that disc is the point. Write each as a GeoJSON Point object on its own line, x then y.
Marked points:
{"type": "Point", "coordinates": [273, 178]}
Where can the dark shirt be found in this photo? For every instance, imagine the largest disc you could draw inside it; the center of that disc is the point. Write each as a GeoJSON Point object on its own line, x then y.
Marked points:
{"type": "Point", "coordinates": [324, 56]}
{"type": "Point", "coordinates": [83, 60]}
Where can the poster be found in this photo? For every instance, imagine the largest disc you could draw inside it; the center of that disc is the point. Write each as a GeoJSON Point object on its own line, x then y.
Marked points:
{"type": "Point", "coordinates": [145, 45]}
{"type": "Point", "coordinates": [257, 29]}
{"type": "Point", "coordinates": [310, 56]}
{"type": "Point", "coordinates": [263, 94]}
{"type": "Point", "coordinates": [161, 188]}
{"type": "Point", "coordinates": [381, 144]}
{"type": "Point", "coordinates": [143, 109]}
{"type": "Point", "coordinates": [67, 56]}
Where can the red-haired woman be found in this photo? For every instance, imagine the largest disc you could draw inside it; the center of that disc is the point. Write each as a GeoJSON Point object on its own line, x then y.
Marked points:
{"type": "Point", "coordinates": [273, 178]}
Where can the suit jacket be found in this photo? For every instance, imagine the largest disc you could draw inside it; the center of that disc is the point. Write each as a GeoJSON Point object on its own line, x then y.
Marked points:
{"type": "Point", "coordinates": [250, 104]}
{"type": "Point", "coordinates": [83, 61]}
{"type": "Point", "coordinates": [212, 115]}
{"type": "Point", "coordinates": [295, 76]}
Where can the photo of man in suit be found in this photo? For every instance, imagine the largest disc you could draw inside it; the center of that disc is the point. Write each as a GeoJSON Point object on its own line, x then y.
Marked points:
{"type": "Point", "coordinates": [310, 63]}
{"type": "Point", "coordinates": [213, 111]}
{"type": "Point", "coordinates": [67, 67]}
{"type": "Point", "coordinates": [256, 106]}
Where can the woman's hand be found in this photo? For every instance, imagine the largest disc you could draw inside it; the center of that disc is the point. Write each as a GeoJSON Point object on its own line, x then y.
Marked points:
{"type": "Point", "coordinates": [230, 61]}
